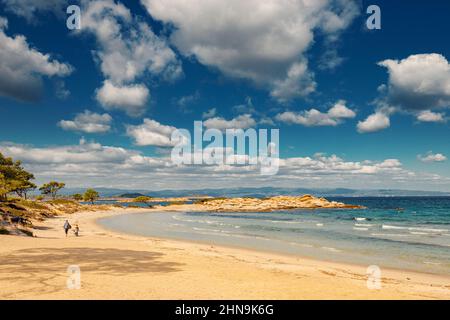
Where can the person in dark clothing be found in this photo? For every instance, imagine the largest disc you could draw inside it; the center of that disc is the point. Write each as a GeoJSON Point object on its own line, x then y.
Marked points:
{"type": "Point", "coordinates": [67, 227]}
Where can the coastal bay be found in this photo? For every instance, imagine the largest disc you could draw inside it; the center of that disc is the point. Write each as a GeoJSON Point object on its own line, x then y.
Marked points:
{"type": "Point", "coordinates": [116, 265]}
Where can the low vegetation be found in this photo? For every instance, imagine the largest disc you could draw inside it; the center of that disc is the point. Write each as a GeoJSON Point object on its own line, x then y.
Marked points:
{"type": "Point", "coordinates": [77, 197]}
{"type": "Point", "coordinates": [62, 201]}
{"type": "Point", "coordinates": [17, 211]}
{"type": "Point", "coordinates": [142, 199]}
{"type": "Point", "coordinates": [202, 201]}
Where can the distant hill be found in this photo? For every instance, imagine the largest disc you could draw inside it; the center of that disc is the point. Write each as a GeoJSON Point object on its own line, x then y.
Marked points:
{"type": "Point", "coordinates": [131, 195]}
{"type": "Point", "coordinates": [271, 191]}
{"type": "Point", "coordinates": [104, 192]}
{"type": "Point", "coordinates": [260, 192]}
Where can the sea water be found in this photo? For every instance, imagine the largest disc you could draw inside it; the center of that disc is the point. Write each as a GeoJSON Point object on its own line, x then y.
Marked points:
{"type": "Point", "coordinates": [410, 233]}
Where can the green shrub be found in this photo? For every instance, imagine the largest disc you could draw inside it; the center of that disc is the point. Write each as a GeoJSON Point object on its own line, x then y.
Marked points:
{"type": "Point", "coordinates": [142, 199]}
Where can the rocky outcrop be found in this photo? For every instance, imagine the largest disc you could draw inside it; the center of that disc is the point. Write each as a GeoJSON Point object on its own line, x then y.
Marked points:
{"type": "Point", "coordinates": [17, 215]}
{"type": "Point", "coordinates": [271, 204]}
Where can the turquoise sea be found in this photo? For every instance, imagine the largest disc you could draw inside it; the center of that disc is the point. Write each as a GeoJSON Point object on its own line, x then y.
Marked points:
{"type": "Point", "coordinates": [397, 232]}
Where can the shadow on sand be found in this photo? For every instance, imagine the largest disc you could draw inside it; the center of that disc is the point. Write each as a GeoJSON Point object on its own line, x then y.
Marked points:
{"type": "Point", "coordinates": [44, 270]}
{"type": "Point", "coordinates": [108, 261]}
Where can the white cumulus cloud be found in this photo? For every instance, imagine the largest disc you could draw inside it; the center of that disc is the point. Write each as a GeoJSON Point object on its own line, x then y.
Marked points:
{"type": "Point", "coordinates": [243, 121]}
{"type": "Point", "coordinates": [432, 157]}
{"type": "Point", "coordinates": [298, 83]}
{"type": "Point", "coordinates": [375, 122]}
{"type": "Point", "coordinates": [419, 82]}
{"type": "Point", "coordinates": [23, 67]}
{"type": "Point", "coordinates": [83, 153]}
{"type": "Point", "coordinates": [314, 117]}
{"type": "Point", "coordinates": [430, 116]}
{"type": "Point", "coordinates": [263, 41]}
{"type": "Point", "coordinates": [130, 98]}
{"type": "Point", "coordinates": [151, 133]}
{"type": "Point", "coordinates": [127, 47]}
{"type": "Point", "coordinates": [88, 122]}
{"type": "Point", "coordinates": [128, 50]}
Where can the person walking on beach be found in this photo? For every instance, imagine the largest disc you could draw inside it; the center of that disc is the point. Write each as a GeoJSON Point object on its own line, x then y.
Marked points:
{"type": "Point", "coordinates": [76, 230]}
{"type": "Point", "coordinates": [67, 227]}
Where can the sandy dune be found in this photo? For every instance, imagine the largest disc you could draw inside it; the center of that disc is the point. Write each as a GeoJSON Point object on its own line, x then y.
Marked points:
{"type": "Point", "coordinates": [128, 267]}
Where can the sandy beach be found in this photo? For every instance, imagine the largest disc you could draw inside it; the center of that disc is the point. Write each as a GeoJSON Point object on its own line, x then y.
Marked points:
{"type": "Point", "coordinates": [119, 266]}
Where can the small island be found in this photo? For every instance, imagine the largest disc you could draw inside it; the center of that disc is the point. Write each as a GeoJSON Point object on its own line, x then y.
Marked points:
{"type": "Point", "coordinates": [263, 204]}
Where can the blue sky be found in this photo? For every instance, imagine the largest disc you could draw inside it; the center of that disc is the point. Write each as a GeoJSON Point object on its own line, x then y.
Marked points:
{"type": "Point", "coordinates": [355, 107]}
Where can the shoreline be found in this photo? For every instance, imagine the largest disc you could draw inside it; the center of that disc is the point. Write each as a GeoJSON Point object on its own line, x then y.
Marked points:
{"type": "Point", "coordinates": [256, 250]}
{"type": "Point", "coordinates": [116, 265]}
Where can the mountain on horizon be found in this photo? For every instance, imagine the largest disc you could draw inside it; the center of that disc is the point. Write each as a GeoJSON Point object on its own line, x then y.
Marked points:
{"type": "Point", "coordinates": [259, 192]}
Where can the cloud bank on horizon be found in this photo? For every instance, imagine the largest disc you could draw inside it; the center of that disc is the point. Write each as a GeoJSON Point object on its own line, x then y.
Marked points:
{"type": "Point", "coordinates": [113, 166]}
{"type": "Point", "coordinates": [158, 65]}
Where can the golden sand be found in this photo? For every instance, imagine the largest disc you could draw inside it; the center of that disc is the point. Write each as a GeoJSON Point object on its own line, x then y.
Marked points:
{"type": "Point", "coordinates": [118, 266]}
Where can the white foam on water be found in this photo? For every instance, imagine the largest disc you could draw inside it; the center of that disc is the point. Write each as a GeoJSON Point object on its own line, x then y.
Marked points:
{"type": "Point", "coordinates": [331, 249]}
{"type": "Point", "coordinates": [390, 235]}
{"type": "Point", "coordinates": [178, 218]}
{"type": "Point", "coordinates": [206, 229]}
{"type": "Point", "coordinates": [363, 225]}
{"type": "Point", "coordinates": [285, 222]}
{"type": "Point", "coordinates": [303, 245]}
{"type": "Point", "coordinates": [360, 229]}
{"type": "Point", "coordinates": [360, 219]}
{"type": "Point", "coordinates": [430, 230]}
{"type": "Point", "coordinates": [319, 224]}
{"type": "Point", "coordinates": [204, 221]}
{"type": "Point", "coordinates": [389, 227]}
{"type": "Point", "coordinates": [176, 224]}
